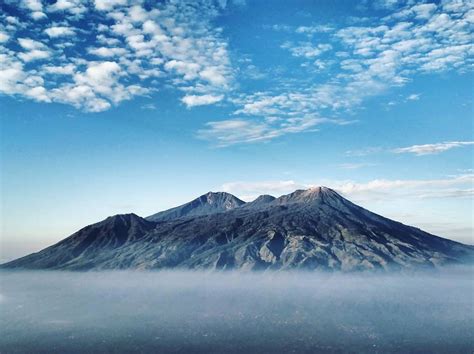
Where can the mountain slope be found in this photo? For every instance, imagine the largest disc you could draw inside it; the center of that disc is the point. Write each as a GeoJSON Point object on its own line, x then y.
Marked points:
{"type": "Point", "coordinates": [307, 229]}
{"type": "Point", "coordinates": [81, 249]}
{"type": "Point", "coordinates": [206, 204]}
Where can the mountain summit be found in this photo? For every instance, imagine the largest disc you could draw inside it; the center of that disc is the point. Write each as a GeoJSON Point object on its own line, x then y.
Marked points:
{"type": "Point", "coordinates": [307, 229]}
{"type": "Point", "coordinates": [209, 203]}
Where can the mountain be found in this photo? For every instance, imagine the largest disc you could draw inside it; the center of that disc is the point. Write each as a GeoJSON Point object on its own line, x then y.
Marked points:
{"type": "Point", "coordinates": [307, 229]}
{"type": "Point", "coordinates": [84, 249]}
{"type": "Point", "coordinates": [206, 204]}
{"type": "Point", "coordinates": [261, 202]}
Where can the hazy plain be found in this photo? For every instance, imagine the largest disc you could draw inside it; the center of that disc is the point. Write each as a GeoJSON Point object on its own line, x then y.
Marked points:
{"type": "Point", "coordinates": [190, 312]}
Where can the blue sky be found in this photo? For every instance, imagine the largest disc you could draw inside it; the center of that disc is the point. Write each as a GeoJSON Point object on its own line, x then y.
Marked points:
{"type": "Point", "coordinates": [114, 106]}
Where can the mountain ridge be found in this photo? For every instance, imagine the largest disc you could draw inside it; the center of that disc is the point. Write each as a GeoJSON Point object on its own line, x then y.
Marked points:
{"type": "Point", "coordinates": [307, 229]}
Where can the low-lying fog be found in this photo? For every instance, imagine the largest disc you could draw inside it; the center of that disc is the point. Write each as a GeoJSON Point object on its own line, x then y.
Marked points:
{"type": "Point", "coordinates": [187, 312]}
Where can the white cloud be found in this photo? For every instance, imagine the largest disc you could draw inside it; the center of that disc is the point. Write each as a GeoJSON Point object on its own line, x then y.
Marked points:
{"type": "Point", "coordinates": [424, 11]}
{"type": "Point", "coordinates": [376, 56]}
{"type": "Point", "coordinates": [452, 187]}
{"type": "Point", "coordinates": [68, 69]}
{"type": "Point", "coordinates": [237, 131]}
{"type": "Point", "coordinates": [38, 93]}
{"type": "Point", "coordinates": [11, 76]}
{"type": "Point", "coordinates": [314, 29]}
{"type": "Point", "coordinates": [188, 70]}
{"type": "Point", "coordinates": [228, 132]}
{"type": "Point", "coordinates": [194, 100]}
{"type": "Point", "coordinates": [107, 5]}
{"type": "Point", "coordinates": [459, 186]}
{"type": "Point", "coordinates": [107, 52]}
{"type": "Point", "coordinates": [428, 149]}
{"type": "Point", "coordinates": [176, 44]}
{"type": "Point", "coordinates": [34, 50]}
{"type": "Point", "coordinates": [306, 49]}
{"type": "Point", "coordinates": [414, 97]}
{"type": "Point", "coordinates": [170, 44]}
{"type": "Point", "coordinates": [36, 8]}
{"type": "Point", "coordinates": [59, 31]}
{"type": "Point", "coordinates": [30, 44]}
{"type": "Point", "coordinates": [213, 75]}
{"type": "Point", "coordinates": [4, 37]}
{"type": "Point", "coordinates": [75, 7]}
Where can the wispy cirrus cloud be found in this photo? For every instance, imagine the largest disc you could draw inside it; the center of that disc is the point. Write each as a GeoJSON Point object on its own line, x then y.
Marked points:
{"type": "Point", "coordinates": [429, 149]}
{"type": "Point", "coordinates": [363, 60]}
{"type": "Point", "coordinates": [418, 149]}
{"type": "Point", "coordinates": [234, 131]}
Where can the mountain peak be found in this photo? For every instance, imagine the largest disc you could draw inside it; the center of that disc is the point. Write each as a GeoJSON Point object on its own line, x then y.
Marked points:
{"type": "Point", "coordinates": [265, 198]}
{"type": "Point", "coordinates": [206, 204]}
{"type": "Point", "coordinates": [260, 201]}
{"type": "Point", "coordinates": [310, 195]}
{"type": "Point", "coordinates": [212, 197]}
{"type": "Point", "coordinates": [128, 216]}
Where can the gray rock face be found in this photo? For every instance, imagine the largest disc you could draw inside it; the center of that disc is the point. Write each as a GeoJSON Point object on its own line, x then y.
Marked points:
{"type": "Point", "coordinates": [307, 229]}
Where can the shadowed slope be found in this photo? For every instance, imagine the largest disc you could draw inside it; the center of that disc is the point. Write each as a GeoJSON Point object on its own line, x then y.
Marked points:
{"type": "Point", "coordinates": [82, 248]}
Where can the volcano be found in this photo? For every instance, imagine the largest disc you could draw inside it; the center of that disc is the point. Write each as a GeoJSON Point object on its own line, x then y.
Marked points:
{"type": "Point", "coordinates": [307, 229]}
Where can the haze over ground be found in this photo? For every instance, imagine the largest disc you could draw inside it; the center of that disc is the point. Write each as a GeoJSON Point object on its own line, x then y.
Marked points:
{"type": "Point", "coordinates": [184, 312]}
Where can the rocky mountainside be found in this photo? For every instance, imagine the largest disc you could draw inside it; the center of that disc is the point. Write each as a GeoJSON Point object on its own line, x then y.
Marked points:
{"type": "Point", "coordinates": [307, 229]}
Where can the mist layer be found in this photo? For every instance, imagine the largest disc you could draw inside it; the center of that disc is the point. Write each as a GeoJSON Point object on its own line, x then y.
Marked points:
{"type": "Point", "coordinates": [183, 312]}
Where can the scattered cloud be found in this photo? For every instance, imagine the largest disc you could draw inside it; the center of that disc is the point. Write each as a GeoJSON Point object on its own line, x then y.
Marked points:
{"type": "Point", "coordinates": [414, 97]}
{"type": "Point", "coordinates": [367, 58]}
{"type": "Point", "coordinates": [314, 29]}
{"type": "Point", "coordinates": [59, 31]}
{"type": "Point", "coordinates": [306, 49]}
{"type": "Point", "coordinates": [195, 100]}
{"type": "Point", "coordinates": [35, 7]}
{"type": "Point", "coordinates": [149, 107]}
{"type": "Point", "coordinates": [107, 5]}
{"type": "Point", "coordinates": [74, 7]}
{"type": "Point", "coordinates": [106, 52]}
{"type": "Point", "coordinates": [177, 45]}
{"type": "Point", "coordinates": [429, 149]}
{"type": "Point", "coordinates": [455, 186]}
{"type": "Point", "coordinates": [419, 150]}
{"type": "Point", "coordinates": [33, 50]}
{"type": "Point", "coordinates": [140, 49]}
